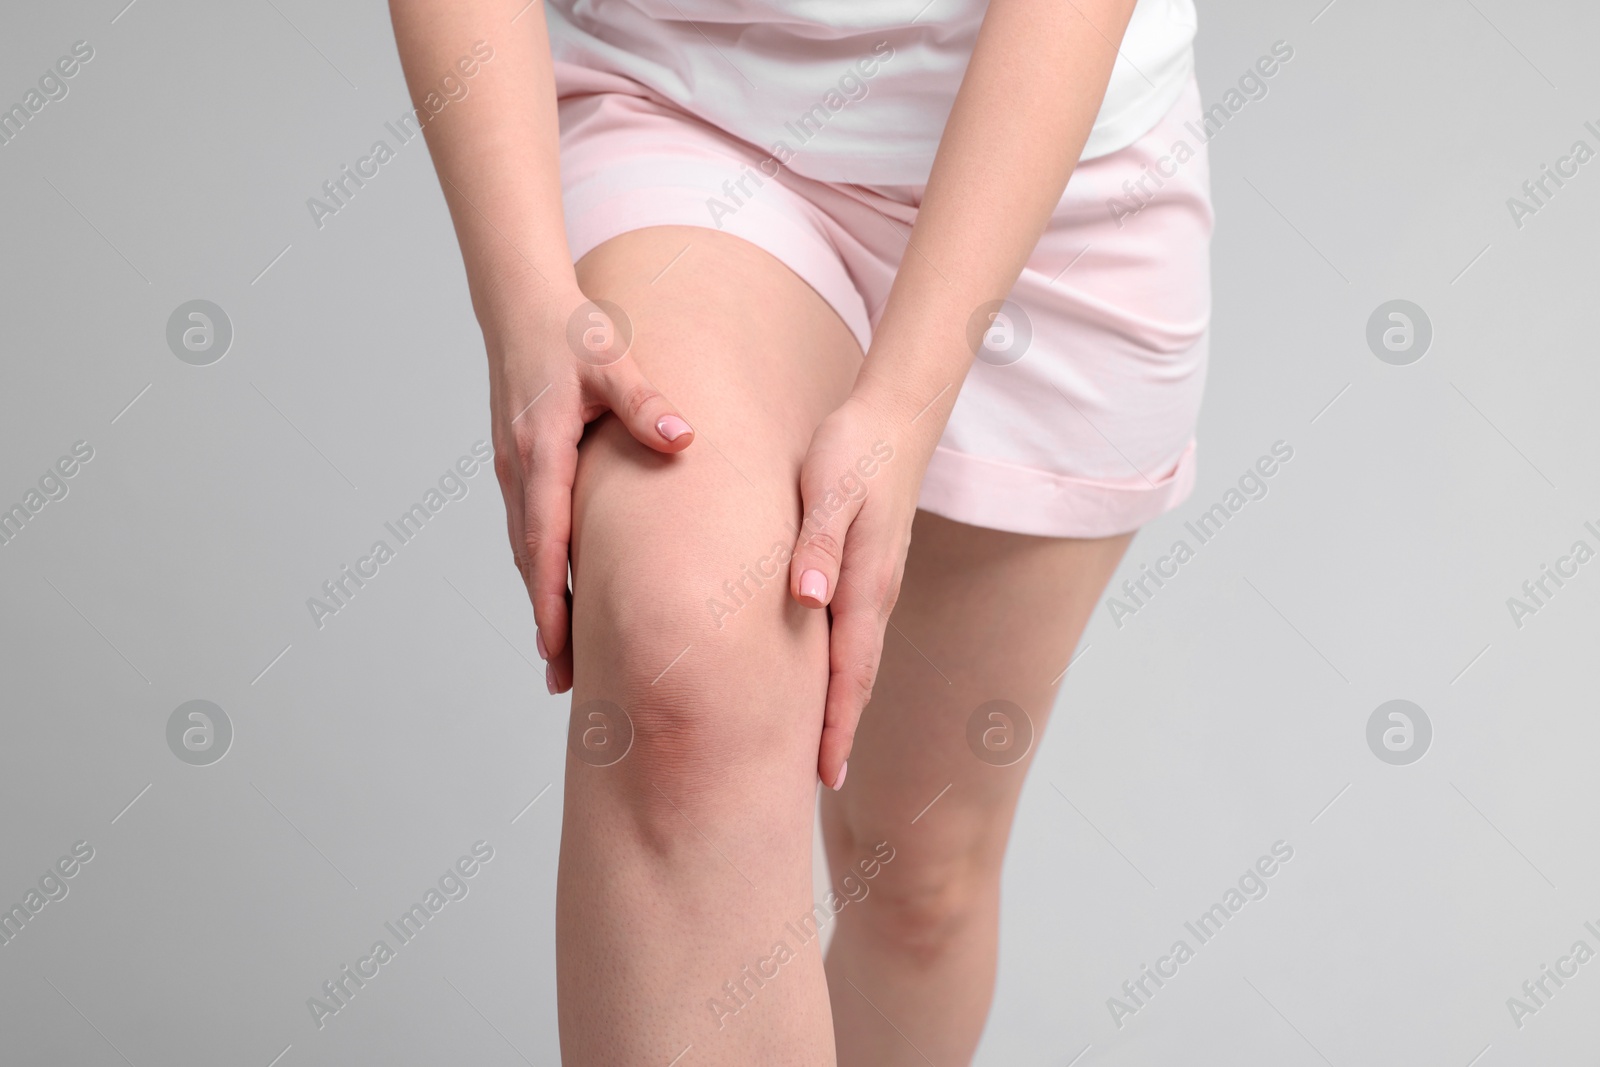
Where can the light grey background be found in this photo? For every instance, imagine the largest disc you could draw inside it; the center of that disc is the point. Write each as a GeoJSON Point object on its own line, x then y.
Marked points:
{"type": "Point", "coordinates": [369, 755]}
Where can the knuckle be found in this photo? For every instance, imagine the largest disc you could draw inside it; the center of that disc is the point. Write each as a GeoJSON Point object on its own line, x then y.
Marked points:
{"type": "Point", "coordinates": [861, 680]}
{"type": "Point", "coordinates": [540, 528]}
{"type": "Point", "coordinates": [525, 443]}
{"type": "Point", "coordinates": [532, 540]}
{"type": "Point", "coordinates": [823, 542]}
{"type": "Point", "coordinates": [886, 591]}
{"type": "Point", "coordinates": [635, 398]}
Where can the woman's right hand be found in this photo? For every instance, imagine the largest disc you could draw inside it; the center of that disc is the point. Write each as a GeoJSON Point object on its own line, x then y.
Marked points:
{"type": "Point", "coordinates": [553, 371]}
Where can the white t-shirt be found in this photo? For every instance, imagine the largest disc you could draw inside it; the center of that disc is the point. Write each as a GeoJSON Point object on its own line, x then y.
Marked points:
{"type": "Point", "coordinates": [847, 90]}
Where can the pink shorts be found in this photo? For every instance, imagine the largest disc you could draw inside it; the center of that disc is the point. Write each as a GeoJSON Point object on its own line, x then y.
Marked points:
{"type": "Point", "coordinates": [1077, 419]}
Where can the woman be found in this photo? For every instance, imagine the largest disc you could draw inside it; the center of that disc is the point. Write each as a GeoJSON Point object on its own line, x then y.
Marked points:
{"type": "Point", "coordinates": [792, 233]}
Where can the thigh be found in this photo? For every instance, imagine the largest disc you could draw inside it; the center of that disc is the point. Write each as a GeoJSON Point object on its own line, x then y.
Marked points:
{"type": "Point", "coordinates": [754, 359]}
{"type": "Point", "coordinates": [695, 810]}
{"type": "Point", "coordinates": [677, 581]}
{"type": "Point", "coordinates": [984, 616]}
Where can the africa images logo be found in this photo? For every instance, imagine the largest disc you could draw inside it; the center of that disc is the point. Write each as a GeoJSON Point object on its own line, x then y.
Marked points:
{"type": "Point", "coordinates": [1251, 886]}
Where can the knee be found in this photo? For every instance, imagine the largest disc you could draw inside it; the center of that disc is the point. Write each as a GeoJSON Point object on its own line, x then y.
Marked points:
{"type": "Point", "coordinates": [720, 747]}
{"type": "Point", "coordinates": [713, 716]}
{"type": "Point", "coordinates": [704, 710]}
{"type": "Point", "coordinates": [928, 901]}
{"type": "Point", "coordinates": [721, 721]}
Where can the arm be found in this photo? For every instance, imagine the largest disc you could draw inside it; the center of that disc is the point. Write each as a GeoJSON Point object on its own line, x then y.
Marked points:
{"type": "Point", "coordinates": [1026, 106]}
{"type": "Point", "coordinates": [495, 149]}
{"type": "Point", "coordinates": [1027, 103]}
{"type": "Point", "coordinates": [496, 153]}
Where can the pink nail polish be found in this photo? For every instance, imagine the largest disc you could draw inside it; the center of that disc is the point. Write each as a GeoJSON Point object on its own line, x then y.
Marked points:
{"type": "Point", "coordinates": [538, 642]}
{"type": "Point", "coordinates": [550, 679]}
{"type": "Point", "coordinates": [814, 585]}
{"type": "Point", "coordinates": [839, 781]}
{"type": "Point", "coordinates": [671, 427]}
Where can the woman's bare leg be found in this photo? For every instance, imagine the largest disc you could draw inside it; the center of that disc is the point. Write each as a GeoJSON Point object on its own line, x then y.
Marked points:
{"type": "Point", "coordinates": [685, 863]}
{"type": "Point", "coordinates": [911, 967]}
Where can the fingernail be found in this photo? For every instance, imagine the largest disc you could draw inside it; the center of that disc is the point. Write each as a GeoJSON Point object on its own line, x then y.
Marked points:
{"type": "Point", "coordinates": [550, 679]}
{"type": "Point", "coordinates": [814, 585]}
{"type": "Point", "coordinates": [839, 781]}
{"type": "Point", "coordinates": [671, 427]}
{"type": "Point", "coordinates": [538, 642]}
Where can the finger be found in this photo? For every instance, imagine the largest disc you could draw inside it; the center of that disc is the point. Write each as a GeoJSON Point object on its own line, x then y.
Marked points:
{"type": "Point", "coordinates": [641, 408]}
{"type": "Point", "coordinates": [826, 514]}
{"type": "Point", "coordinates": [855, 646]}
{"type": "Point", "coordinates": [510, 480]}
{"type": "Point", "coordinates": [550, 465]}
{"type": "Point", "coordinates": [558, 671]}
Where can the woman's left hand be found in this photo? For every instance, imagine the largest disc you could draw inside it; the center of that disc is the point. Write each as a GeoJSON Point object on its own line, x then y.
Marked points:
{"type": "Point", "coordinates": [858, 486]}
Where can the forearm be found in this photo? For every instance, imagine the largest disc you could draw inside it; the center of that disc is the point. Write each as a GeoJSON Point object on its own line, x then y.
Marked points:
{"type": "Point", "coordinates": [495, 149]}
{"type": "Point", "coordinates": [1026, 106]}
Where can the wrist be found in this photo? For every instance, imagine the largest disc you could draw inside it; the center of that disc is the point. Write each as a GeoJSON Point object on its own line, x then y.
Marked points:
{"type": "Point", "coordinates": [901, 416]}
{"type": "Point", "coordinates": [913, 401]}
{"type": "Point", "coordinates": [513, 308]}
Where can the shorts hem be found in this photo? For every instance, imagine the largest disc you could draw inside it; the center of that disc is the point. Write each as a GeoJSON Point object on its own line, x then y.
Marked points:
{"type": "Point", "coordinates": [1026, 500]}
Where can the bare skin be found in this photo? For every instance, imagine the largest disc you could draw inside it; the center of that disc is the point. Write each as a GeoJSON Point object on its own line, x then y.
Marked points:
{"type": "Point", "coordinates": [685, 862]}
{"type": "Point", "coordinates": [664, 471]}
{"type": "Point", "coordinates": [681, 863]}
{"type": "Point", "coordinates": [983, 615]}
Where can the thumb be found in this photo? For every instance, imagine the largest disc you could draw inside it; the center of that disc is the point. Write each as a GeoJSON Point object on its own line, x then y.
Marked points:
{"type": "Point", "coordinates": [819, 549]}
{"type": "Point", "coordinates": [643, 410]}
